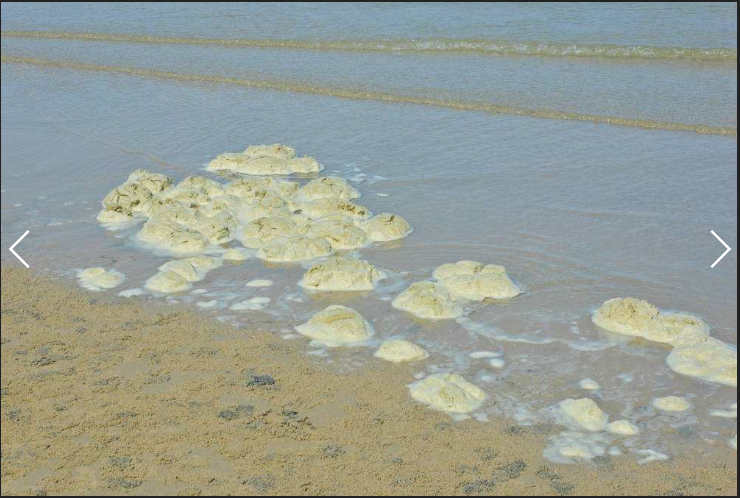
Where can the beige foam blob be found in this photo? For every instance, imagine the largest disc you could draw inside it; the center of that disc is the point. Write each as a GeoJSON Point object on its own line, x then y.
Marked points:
{"type": "Point", "coordinates": [330, 187]}
{"type": "Point", "coordinates": [386, 227]}
{"type": "Point", "coordinates": [111, 216]}
{"type": "Point", "coordinates": [341, 274]}
{"type": "Point", "coordinates": [711, 360]}
{"type": "Point", "coordinates": [448, 392]}
{"type": "Point", "coordinates": [428, 300]}
{"type": "Point", "coordinates": [172, 237]}
{"type": "Point", "coordinates": [193, 269]}
{"type": "Point", "coordinates": [622, 428]}
{"type": "Point", "coordinates": [399, 351]}
{"type": "Point", "coordinates": [167, 282]}
{"type": "Point", "coordinates": [262, 231]}
{"type": "Point", "coordinates": [583, 413]}
{"type": "Point", "coordinates": [474, 281]}
{"type": "Point", "coordinates": [247, 188]}
{"type": "Point", "coordinates": [328, 207]}
{"type": "Point", "coordinates": [589, 385]}
{"type": "Point", "coordinates": [279, 151]}
{"type": "Point", "coordinates": [128, 198]}
{"type": "Point", "coordinates": [639, 318]}
{"type": "Point", "coordinates": [733, 443]}
{"type": "Point", "coordinates": [154, 182]}
{"type": "Point", "coordinates": [237, 254]}
{"type": "Point", "coordinates": [294, 248]}
{"type": "Point", "coordinates": [672, 404]}
{"type": "Point", "coordinates": [342, 234]}
{"type": "Point", "coordinates": [217, 229]}
{"type": "Point", "coordinates": [304, 164]}
{"type": "Point", "coordinates": [98, 279]}
{"type": "Point", "coordinates": [336, 325]}
{"type": "Point", "coordinates": [203, 185]}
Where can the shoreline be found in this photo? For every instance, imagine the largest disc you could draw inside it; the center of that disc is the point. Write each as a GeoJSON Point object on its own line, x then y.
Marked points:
{"type": "Point", "coordinates": [103, 395]}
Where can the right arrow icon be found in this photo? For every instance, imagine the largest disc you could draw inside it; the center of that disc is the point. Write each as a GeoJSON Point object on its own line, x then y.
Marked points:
{"type": "Point", "coordinates": [727, 249]}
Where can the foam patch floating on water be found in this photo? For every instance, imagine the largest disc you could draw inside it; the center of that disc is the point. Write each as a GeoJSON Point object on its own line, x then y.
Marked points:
{"type": "Point", "coordinates": [474, 281]}
{"type": "Point", "coordinates": [341, 233]}
{"type": "Point", "coordinates": [712, 360]}
{"type": "Point", "coordinates": [98, 279]}
{"type": "Point", "coordinates": [330, 187]}
{"type": "Point", "coordinates": [167, 282]}
{"type": "Point", "coordinates": [639, 318]}
{"type": "Point", "coordinates": [341, 274]}
{"type": "Point", "coordinates": [294, 248]}
{"type": "Point", "coordinates": [448, 393]}
{"type": "Point", "coordinates": [428, 300]}
{"type": "Point", "coordinates": [337, 325]}
{"type": "Point", "coordinates": [276, 159]}
{"type": "Point", "coordinates": [399, 351]}
{"type": "Point", "coordinates": [386, 227]}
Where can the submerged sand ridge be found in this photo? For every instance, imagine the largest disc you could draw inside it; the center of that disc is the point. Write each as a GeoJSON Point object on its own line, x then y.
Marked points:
{"type": "Point", "coordinates": [203, 223]}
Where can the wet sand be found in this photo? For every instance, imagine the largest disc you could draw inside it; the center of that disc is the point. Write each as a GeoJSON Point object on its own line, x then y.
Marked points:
{"type": "Point", "coordinates": [102, 395]}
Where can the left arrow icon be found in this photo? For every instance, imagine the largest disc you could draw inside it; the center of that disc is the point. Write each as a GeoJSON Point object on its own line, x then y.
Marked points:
{"type": "Point", "coordinates": [15, 253]}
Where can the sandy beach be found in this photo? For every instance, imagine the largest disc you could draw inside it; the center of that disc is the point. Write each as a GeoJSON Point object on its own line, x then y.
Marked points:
{"type": "Point", "coordinates": [102, 395]}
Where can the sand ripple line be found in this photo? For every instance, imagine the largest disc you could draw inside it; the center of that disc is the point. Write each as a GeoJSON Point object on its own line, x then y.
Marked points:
{"type": "Point", "coordinates": [359, 94]}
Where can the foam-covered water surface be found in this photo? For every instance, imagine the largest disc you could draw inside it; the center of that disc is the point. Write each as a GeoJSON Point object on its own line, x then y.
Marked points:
{"type": "Point", "coordinates": [577, 212]}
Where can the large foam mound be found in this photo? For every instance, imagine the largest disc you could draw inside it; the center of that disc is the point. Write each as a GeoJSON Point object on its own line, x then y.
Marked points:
{"type": "Point", "coordinates": [475, 281]}
{"type": "Point", "coordinates": [336, 325]}
{"type": "Point", "coordinates": [711, 360]}
{"type": "Point", "coordinates": [639, 318]}
{"type": "Point", "coordinates": [167, 282]}
{"type": "Point", "coordinates": [341, 274]}
{"type": "Point", "coordinates": [385, 227]}
{"type": "Point", "coordinates": [341, 233]}
{"type": "Point", "coordinates": [583, 413]}
{"type": "Point", "coordinates": [428, 300]}
{"type": "Point", "coordinates": [398, 351]}
{"type": "Point", "coordinates": [294, 248]}
{"type": "Point", "coordinates": [329, 187]}
{"type": "Point", "coordinates": [448, 392]}
{"type": "Point", "coordinates": [98, 279]}
{"type": "Point", "coordinates": [262, 231]}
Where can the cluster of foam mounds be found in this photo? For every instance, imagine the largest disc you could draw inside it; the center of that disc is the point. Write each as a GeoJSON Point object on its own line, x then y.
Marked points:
{"type": "Point", "coordinates": [456, 283]}
{"type": "Point", "coordinates": [278, 218]}
{"type": "Point", "coordinates": [695, 353]}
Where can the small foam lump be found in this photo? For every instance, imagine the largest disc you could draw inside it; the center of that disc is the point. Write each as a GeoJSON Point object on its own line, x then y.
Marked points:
{"type": "Point", "coordinates": [386, 227]}
{"type": "Point", "coordinates": [583, 413]}
{"type": "Point", "coordinates": [428, 300]}
{"type": "Point", "coordinates": [711, 360]}
{"type": "Point", "coordinates": [336, 325]}
{"type": "Point", "coordinates": [448, 392]}
{"type": "Point", "coordinates": [294, 248]}
{"type": "Point", "coordinates": [672, 404]}
{"type": "Point", "coordinates": [399, 350]}
{"type": "Point", "coordinates": [341, 274]}
{"type": "Point", "coordinates": [474, 281]}
{"type": "Point", "coordinates": [98, 279]}
{"type": "Point", "coordinates": [635, 317]}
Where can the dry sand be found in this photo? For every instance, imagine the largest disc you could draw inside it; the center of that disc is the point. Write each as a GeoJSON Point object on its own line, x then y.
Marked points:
{"type": "Point", "coordinates": [102, 395]}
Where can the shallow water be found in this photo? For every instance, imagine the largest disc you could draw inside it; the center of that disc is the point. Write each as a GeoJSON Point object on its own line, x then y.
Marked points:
{"type": "Point", "coordinates": [578, 212]}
